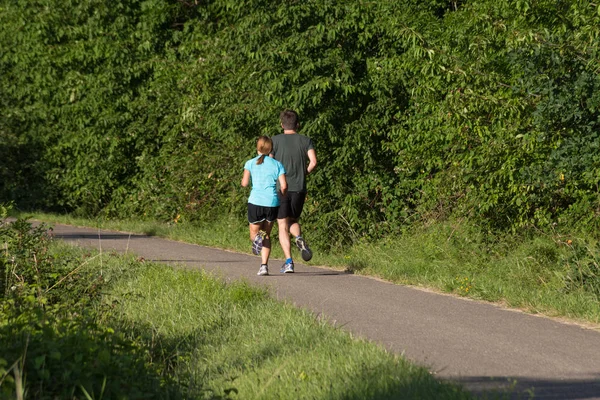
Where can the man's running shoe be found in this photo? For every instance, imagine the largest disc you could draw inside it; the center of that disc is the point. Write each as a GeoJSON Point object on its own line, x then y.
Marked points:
{"type": "Point", "coordinates": [287, 268]}
{"type": "Point", "coordinates": [264, 270]}
{"type": "Point", "coordinates": [304, 249]}
{"type": "Point", "coordinates": [257, 244]}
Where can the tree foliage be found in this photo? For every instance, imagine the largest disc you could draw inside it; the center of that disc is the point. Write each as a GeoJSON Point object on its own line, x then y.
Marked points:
{"type": "Point", "coordinates": [420, 110]}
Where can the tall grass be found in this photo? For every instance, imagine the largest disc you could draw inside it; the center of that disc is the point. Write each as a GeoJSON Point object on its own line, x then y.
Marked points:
{"type": "Point", "coordinates": [549, 274]}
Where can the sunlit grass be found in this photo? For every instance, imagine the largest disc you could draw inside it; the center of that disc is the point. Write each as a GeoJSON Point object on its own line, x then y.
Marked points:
{"type": "Point", "coordinates": [525, 273]}
{"type": "Point", "coordinates": [226, 339]}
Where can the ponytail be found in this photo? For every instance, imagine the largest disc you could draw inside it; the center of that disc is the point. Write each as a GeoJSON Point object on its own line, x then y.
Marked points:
{"type": "Point", "coordinates": [264, 145]}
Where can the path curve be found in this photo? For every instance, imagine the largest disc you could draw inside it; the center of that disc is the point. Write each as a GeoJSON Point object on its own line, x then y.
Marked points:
{"type": "Point", "coordinates": [480, 345]}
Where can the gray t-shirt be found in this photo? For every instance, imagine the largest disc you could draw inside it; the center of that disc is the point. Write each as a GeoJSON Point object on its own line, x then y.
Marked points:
{"type": "Point", "coordinates": [292, 151]}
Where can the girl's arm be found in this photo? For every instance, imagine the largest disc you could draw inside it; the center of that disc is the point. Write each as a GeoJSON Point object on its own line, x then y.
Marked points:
{"type": "Point", "coordinates": [246, 178]}
{"type": "Point", "coordinates": [282, 183]}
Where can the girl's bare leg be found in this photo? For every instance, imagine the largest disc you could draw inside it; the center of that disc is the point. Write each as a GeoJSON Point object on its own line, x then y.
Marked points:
{"type": "Point", "coordinates": [266, 250]}
{"type": "Point", "coordinates": [254, 228]}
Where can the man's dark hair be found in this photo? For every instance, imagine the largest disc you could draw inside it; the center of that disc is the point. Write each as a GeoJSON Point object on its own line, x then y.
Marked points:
{"type": "Point", "coordinates": [289, 119]}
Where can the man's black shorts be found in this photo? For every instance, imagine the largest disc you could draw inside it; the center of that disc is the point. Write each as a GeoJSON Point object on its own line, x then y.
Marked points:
{"type": "Point", "coordinates": [291, 204]}
{"type": "Point", "coordinates": [258, 214]}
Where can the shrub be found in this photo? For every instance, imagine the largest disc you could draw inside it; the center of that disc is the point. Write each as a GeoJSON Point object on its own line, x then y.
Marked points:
{"type": "Point", "coordinates": [54, 342]}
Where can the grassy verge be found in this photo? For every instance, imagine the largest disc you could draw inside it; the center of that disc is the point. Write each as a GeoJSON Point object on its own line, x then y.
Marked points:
{"type": "Point", "coordinates": [549, 274]}
{"type": "Point", "coordinates": [226, 339]}
{"type": "Point", "coordinates": [78, 324]}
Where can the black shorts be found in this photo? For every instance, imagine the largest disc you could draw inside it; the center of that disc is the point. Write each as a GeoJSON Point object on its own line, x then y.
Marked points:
{"type": "Point", "coordinates": [258, 214]}
{"type": "Point", "coordinates": [291, 204]}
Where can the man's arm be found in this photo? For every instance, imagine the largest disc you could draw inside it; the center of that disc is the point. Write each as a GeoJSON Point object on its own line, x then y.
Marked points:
{"type": "Point", "coordinates": [312, 160]}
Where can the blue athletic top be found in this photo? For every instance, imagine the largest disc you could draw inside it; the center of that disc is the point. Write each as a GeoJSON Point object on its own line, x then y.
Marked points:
{"type": "Point", "coordinates": [264, 180]}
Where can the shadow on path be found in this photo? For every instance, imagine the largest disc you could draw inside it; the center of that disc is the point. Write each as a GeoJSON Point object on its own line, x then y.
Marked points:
{"type": "Point", "coordinates": [301, 273]}
{"type": "Point", "coordinates": [102, 236]}
{"type": "Point", "coordinates": [485, 387]}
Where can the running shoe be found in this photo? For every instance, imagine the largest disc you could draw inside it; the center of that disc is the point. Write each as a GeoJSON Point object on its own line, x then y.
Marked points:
{"type": "Point", "coordinates": [305, 251]}
{"type": "Point", "coordinates": [257, 244]}
{"type": "Point", "coordinates": [264, 270]}
{"type": "Point", "coordinates": [287, 268]}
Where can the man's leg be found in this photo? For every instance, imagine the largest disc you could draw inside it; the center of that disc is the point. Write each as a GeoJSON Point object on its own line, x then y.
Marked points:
{"type": "Point", "coordinates": [284, 237]}
{"type": "Point", "coordinates": [286, 245]}
{"type": "Point", "coordinates": [295, 227]}
{"type": "Point", "coordinates": [296, 230]}
{"type": "Point", "coordinates": [296, 206]}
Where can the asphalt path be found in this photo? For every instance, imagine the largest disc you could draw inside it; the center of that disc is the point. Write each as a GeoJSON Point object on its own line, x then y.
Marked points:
{"type": "Point", "coordinates": [480, 345]}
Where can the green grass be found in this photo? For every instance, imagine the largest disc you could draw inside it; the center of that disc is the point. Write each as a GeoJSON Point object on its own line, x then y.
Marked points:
{"type": "Point", "coordinates": [234, 338]}
{"type": "Point", "coordinates": [547, 274]}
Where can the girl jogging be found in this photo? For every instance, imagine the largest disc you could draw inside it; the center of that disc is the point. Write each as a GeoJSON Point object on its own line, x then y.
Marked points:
{"type": "Point", "coordinates": [263, 203]}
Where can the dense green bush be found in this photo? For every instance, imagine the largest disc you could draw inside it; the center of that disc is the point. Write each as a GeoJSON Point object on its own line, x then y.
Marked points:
{"type": "Point", "coordinates": [419, 110]}
{"type": "Point", "coordinates": [52, 335]}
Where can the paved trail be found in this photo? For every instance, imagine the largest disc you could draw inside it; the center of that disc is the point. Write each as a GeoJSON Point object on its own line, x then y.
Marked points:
{"type": "Point", "coordinates": [477, 344]}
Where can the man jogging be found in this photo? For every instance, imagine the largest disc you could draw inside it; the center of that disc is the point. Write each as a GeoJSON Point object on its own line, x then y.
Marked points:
{"type": "Point", "coordinates": [293, 151]}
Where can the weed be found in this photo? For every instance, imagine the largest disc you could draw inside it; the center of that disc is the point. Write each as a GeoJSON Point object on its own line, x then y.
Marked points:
{"type": "Point", "coordinates": [463, 285]}
{"type": "Point", "coordinates": [583, 267]}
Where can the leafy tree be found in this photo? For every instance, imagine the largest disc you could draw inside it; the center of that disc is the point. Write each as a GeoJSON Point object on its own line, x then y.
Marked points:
{"type": "Point", "coordinates": [420, 110]}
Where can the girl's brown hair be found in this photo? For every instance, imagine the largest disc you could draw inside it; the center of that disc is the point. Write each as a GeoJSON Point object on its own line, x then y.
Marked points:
{"type": "Point", "coordinates": [264, 145]}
